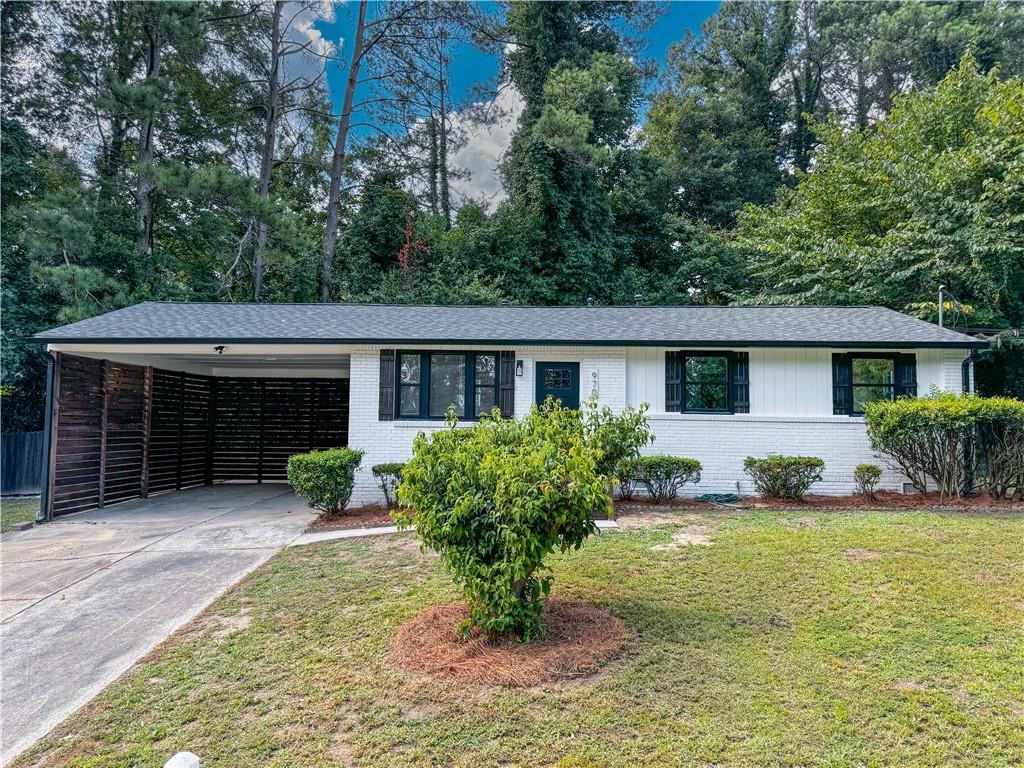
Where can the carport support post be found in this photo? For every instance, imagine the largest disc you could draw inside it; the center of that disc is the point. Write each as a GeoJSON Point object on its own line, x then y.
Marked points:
{"type": "Point", "coordinates": [50, 437]}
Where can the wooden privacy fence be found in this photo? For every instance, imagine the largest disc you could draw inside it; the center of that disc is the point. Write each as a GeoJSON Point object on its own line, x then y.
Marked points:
{"type": "Point", "coordinates": [21, 463]}
{"type": "Point", "coordinates": [123, 431]}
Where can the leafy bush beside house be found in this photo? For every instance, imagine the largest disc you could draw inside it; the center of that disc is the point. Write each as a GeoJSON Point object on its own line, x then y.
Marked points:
{"type": "Point", "coordinates": [784, 477]}
{"type": "Point", "coordinates": [496, 498]}
{"type": "Point", "coordinates": [999, 446]}
{"type": "Point", "coordinates": [324, 479]}
{"type": "Point", "coordinates": [954, 440]}
{"type": "Point", "coordinates": [389, 476]}
{"type": "Point", "coordinates": [619, 436]}
{"type": "Point", "coordinates": [626, 474]}
{"type": "Point", "coordinates": [866, 476]}
{"type": "Point", "coordinates": [663, 476]}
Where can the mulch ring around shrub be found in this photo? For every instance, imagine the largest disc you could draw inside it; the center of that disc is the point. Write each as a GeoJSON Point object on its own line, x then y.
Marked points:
{"type": "Point", "coordinates": [369, 516]}
{"type": "Point", "coordinates": [579, 639]}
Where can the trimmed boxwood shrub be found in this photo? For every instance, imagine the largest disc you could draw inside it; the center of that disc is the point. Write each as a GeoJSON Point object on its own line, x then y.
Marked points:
{"type": "Point", "coordinates": [389, 475]}
{"type": "Point", "coordinates": [866, 476]}
{"type": "Point", "coordinates": [494, 499]}
{"type": "Point", "coordinates": [324, 479]}
{"type": "Point", "coordinates": [784, 477]}
{"type": "Point", "coordinates": [955, 440]}
{"type": "Point", "coordinates": [662, 476]}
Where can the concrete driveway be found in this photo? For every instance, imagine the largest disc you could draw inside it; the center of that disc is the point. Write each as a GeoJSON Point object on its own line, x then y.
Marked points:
{"type": "Point", "coordinates": [87, 596]}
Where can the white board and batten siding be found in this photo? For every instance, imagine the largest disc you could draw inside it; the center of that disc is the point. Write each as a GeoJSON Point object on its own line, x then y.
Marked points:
{"type": "Point", "coordinates": [790, 411]}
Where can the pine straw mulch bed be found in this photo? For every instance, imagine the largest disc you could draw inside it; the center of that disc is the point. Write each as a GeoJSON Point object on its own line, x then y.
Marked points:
{"type": "Point", "coordinates": [883, 500]}
{"type": "Point", "coordinates": [368, 516]}
{"type": "Point", "coordinates": [579, 639]}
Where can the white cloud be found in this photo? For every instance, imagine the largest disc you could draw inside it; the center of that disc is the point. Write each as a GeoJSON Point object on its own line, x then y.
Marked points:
{"type": "Point", "coordinates": [485, 148]}
{"type": "Point", "coordinates": [300, 18]}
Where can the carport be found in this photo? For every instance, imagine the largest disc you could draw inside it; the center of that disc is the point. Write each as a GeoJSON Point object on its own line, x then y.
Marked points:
{"type": "Point", "coordinates": [128, 421]}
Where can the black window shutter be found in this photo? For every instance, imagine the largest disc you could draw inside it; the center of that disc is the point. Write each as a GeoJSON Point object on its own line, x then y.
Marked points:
{"type": "Point", "coordinates": [674, 382]}
{"type": "Point", "coordinates": [507, 385]}
{"type": "Point", "coordinates": [386, 411]}
{"type": "Point", "coordinates": [842, 385]}
{"type": "Point", "coordinates": [906, 375]}
{"type": "Point", "coordinates": [739, 382]}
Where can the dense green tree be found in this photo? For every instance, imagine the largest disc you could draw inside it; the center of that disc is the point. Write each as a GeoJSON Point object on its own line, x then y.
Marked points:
{"type": "Point", "coordinates": [717, 126]}
{"type": "Point", "coordinates": [581, 92]}
{"type": "Point", "coordinates": [878, 196]}
{"type": "Point", "coordinates": [933, 195]}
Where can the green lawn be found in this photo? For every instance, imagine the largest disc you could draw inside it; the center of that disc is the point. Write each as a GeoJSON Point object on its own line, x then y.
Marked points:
{"type": "Point", "coordinates": [793, 639]}
{"type": "Point", "coordinates": [14, 511]}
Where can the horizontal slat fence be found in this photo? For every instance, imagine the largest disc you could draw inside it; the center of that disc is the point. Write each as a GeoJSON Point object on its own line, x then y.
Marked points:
{"type": "Point", "coordinates": [179, 438]}
{"type": "Point", "coordinates": [76, 481]}
{"type": "Point", "coordinates": [125, 431]}
{"type": "Point", "coordinates": [259, 423]}
{"type": "Point", "coordinates": [125, 442]}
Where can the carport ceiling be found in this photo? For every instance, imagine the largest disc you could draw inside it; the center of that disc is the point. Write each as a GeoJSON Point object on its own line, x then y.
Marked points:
{"type": "Point", "coordinates": [232, 363]}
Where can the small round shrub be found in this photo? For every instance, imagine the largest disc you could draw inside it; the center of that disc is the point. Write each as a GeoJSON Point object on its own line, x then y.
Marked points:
{"type": "Point", "coordinates": [389, 476]}
{"type": "Point", "coordinates": [784, 477]}
{"type": "Point", "coordinates": [324, 479]}
{"type": "Point", "coordinates": [866, 476]}
{"type": "Point", "coordinates": [662, 476]}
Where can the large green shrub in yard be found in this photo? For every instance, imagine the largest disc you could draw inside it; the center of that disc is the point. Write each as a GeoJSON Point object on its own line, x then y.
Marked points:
{"type": "Point", "coordinates": [324, 479]}
{"type": "Point", "coordinates": [495, 498]}
{"type": "Point", "coordinates": [955, 440]}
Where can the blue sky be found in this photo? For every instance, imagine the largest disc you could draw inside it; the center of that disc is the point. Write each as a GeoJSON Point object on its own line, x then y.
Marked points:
{"type": "Point", "coordinates": [471, 67]}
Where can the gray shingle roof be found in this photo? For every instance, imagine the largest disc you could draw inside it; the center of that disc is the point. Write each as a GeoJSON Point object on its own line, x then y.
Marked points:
{"type": "Point", "coordinates": [411, 324]}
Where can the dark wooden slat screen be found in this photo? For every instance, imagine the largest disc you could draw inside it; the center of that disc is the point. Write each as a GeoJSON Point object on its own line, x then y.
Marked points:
{"type": "Point", "coordinates": [259, 423]}
{"type": "Point", "coordinates": [236, 430]}
{"type": "Point", "coordinates": [125, 431]}
{"type": "Point", "coordinates": [329, 414]}
{"type": "Point", "coordinates": [76, 471]}
{"type": "Point", "coordinates": [181, 414]}
{"type": "Point", "coordinates": [125, 437]}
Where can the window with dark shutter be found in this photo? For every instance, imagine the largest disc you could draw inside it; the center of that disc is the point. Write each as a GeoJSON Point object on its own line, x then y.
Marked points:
{"type": "Point", "coordinates": [386, 407]}
{"type": "Point", "coordinates": [859, 378]}
{"type": "Point", "coordinates": [906, 376]}
{"type": "Point", "coordinates": [841, 394]}
{"type": "Point", "coordinates": [706, 382]}
{"type": "Point", "coordinates": [424, 384]}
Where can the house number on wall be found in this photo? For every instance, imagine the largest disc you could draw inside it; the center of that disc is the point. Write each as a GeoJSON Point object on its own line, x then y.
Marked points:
{"type": "Point", "coordinates": [593, 383]}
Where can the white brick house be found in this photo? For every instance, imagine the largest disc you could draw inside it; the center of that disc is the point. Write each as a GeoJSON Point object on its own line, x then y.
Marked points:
{"type": "Point", "coordinates": [722, 383]}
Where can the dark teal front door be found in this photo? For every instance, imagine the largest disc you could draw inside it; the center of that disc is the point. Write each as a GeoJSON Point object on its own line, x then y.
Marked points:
{"type": "Point", "coordinates": [561, 381]}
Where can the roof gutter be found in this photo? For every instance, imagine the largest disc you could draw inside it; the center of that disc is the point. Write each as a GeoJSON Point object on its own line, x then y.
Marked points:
{"type": "Point", "coordinates": [717, 343]}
